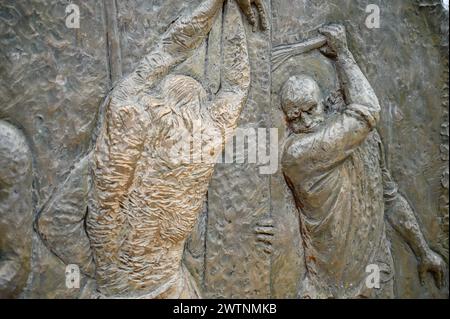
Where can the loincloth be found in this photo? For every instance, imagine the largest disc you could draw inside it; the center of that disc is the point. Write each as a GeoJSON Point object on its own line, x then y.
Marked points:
{"type": "Point", "coordinates": [179, 286]}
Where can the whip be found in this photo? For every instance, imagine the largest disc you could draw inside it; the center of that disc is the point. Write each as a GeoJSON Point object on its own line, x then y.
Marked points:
{"type": "Point", "coordinates": [284, 52]}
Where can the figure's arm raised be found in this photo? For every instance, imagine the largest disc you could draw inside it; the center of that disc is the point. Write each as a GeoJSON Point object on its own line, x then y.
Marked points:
{"type": "Point", "coordinates": [342, 134]}
{"type": "Point", "coordinates": [120, 143]}
{"type": "Point", "coordinates": [177, 44]}
{"type": "Point", "coordinates": [359, 94]}
{"type": "Point", "coordinates": [235, 80]}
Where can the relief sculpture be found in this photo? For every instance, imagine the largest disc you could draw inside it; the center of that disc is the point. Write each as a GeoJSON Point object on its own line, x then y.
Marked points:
{"type": "Point", "coordinates": [334, 164]}
{"type": "Point", "coordinates": [119, 153]}
{"type": "Point", "coordinates": [144, 203]}
{"type": "Point", "coordinates": [145, 198]}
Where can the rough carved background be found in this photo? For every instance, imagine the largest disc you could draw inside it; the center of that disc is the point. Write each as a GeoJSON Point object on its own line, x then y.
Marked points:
{"type": "Point", "coordinates": [54, 79]}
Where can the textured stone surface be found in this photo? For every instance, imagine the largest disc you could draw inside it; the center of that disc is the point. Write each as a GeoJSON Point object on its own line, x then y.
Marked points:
{"type": "Point", "coordinates": [405, 63]}
{"type": "Point", "coordinates": [61, 221]}
{"type": "Point", "coordinates": [235, 267]}
{"type": "Point", "coordinates": [53, 81]}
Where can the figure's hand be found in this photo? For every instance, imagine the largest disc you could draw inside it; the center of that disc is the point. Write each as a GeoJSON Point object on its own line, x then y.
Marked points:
{"type": "Point", "coordinates": [246, 7]}
{"type": "Point", "coordinates": [432, 262]}
{"type": "Point", "coordinates": [337, 40]}
{"type": "Point", "coordinates": [264, 232]}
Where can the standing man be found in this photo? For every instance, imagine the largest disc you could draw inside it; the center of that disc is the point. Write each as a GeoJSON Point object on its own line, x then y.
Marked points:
{"type": "Point", "coordinates": [334, 165]}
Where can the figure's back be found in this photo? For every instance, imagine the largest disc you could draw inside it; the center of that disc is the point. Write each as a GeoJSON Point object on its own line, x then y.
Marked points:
{"type": "Point", "coordinates": [139, 243]}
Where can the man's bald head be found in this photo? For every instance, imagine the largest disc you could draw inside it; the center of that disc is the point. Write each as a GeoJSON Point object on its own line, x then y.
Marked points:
{"type": "Point", "coordinates": [301, 101]}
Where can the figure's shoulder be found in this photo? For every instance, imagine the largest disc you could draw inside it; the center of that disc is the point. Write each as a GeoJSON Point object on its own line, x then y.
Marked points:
{"type": "Point", "coordinates": [294, 147]}
{"type": "Point", "coordinates": [297, 142]}
{"type": "Point", "coordinates": [295, 160]}
{"type": "Point", "coordinates": [288, 144]}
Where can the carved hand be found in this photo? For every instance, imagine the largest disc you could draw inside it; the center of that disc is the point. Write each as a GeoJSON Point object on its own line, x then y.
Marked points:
{"type": "Point", "coordinates": [432, 262]}
{"type": "Point", "coordinates": [264, 232]}
{"type": "Point", "coordinates": [337, 40]}
{"type": "Point", "coordinates": [246, 7]}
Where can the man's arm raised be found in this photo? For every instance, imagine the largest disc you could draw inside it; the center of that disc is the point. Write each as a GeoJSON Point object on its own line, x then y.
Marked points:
{"type": "Point", "coordinates": [362, 102]}
{"type": "Point", "coordinates": [176, 45]}
{"type": "Point", "coordinates": [337, 139]}
{"type": "Point", "coordinates": [357, 88]}
{"type": "Point", "coordinates": [120, 142]}
{"type": "Point", "coordinates": [235, 80]}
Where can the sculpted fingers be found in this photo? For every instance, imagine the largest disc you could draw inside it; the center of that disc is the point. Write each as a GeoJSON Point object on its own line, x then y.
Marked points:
{"type": "Point", "coordinates": [432, 263]}
{"type": "Point", "coordinates": [439, 277]}
{"type": "Point", "coordinates": [262, 14]}
{"type": "Point", "coordinates": [439, 274]}
{"type": "Point", "coordinates": [246, 8]}
{"type": "Point", "coordinates": [328, 52]}
{"type": "Point", "coordinates": [336, 39]}
{"type": "Point", "coordinates": [264, 232]}
{"type": "Point", "coordinates": [265, 241]}
{"type": "Point", "coordinates": [268, 222]}
{"type": "Point", "coordinates": [325, 30]}
{"type": "Point", "coordinates": [268, 249]}
{"type": "Point", "coordinates": [422, 275]}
